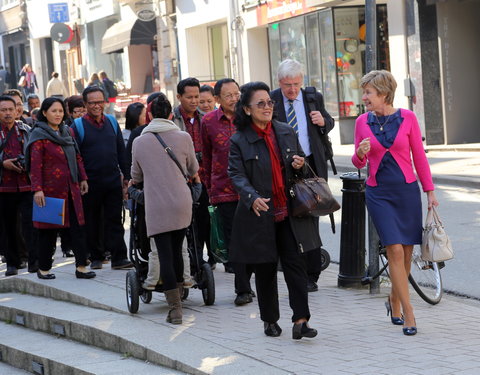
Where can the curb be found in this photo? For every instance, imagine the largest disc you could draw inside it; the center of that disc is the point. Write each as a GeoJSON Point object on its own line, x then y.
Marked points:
{"type": "Point", "coordinates": [442, 180]}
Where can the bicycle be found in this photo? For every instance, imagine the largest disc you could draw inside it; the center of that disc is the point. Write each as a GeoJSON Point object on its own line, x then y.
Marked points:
{"type": "Point", "coordinates": [424, 276]}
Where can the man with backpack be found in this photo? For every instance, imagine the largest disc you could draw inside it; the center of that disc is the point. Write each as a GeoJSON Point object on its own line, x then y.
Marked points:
{"type": "Point", "coordinates": [312, 123]}
{"type": "Point", "coordinates": [103, 151]}
{"type": "Point", "coordinates": [111, 91]}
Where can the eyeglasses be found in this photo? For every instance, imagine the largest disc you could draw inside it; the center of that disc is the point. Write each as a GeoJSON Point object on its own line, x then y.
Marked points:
{"type": "Point", "coordinates": [263, 104]}
{"type": "Point", "coordinates": [229, 97]}
{"type": "Point", "coordinates": [79, 110]}
{"type": "Point", "coordinates": [96, 103]}
{"type": "Point", "coordinates": [291, 85]}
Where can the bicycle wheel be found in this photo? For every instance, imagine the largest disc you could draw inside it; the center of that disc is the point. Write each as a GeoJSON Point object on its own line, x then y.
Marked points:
{"type": "Point", "coordinates": [425, 278]}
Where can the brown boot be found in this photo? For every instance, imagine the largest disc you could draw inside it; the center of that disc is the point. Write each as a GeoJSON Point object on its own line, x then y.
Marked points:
{"type": "Point", "coordinates": [175, 304]}
{"type": "Point", "coordinates": [180, 290]}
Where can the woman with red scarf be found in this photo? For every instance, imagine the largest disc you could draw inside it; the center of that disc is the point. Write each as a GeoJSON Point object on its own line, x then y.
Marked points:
{"type": "Point", "coordinates": [265, 156]}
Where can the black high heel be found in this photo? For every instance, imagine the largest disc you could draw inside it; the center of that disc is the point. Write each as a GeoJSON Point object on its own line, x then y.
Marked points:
{"type": "Point", "coordinates": [395, 320]}
{"type": "Point", "coordinates": [410, 331]}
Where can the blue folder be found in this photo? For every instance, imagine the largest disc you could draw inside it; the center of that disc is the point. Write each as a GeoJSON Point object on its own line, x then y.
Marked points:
{"type": "Point", "coordinates": [52, 213]}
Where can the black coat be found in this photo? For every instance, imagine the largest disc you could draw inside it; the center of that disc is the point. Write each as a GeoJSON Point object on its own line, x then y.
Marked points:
{"type": "Point", "coordinates": [253, 237]}
{"type": "Point", "coordinates": [314, 131]}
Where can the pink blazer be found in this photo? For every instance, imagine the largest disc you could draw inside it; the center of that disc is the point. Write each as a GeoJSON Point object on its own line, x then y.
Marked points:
{"type": "Point", "coordinates": [408, 142]}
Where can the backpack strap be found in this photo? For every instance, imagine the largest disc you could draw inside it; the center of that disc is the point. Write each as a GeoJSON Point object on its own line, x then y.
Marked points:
{"type": "Point", "coordinates": [310, 95]}
{"type": "Point", "coordinates": [113, 122]}
{"type": "Point", "coordinates": [78, 126]}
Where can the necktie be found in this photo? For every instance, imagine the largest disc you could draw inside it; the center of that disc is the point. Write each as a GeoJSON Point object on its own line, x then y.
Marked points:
{"type": "Point", "coordinates": [292, 117]}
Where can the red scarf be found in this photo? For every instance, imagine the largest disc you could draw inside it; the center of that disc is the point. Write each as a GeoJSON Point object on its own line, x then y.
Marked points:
{"type": "Point", "coordinates": [278, 185]}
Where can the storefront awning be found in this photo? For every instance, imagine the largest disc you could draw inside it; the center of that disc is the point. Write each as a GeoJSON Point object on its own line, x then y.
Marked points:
{"type": "Point", "coordinates": [128, 32]}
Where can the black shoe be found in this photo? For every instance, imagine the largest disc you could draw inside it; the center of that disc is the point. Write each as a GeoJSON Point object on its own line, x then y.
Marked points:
{"type": "Point", "coordinates": [48, 276]}
{"type": "Point", "coordinates": [68, 253]}
{"type": "Point", "coordinates": [121, 264]}
{"type": "Point", "coordinates": [303, 330]}
{"type": "Point", "coordinates": [243, 299]}
{"type": "Point", "coordinates": [32, 268]}
{"type": "Point", "coordinates": [96, 265]}
{"type": "Point", "coordinates": [272, 329]}
{"type": "Point", "coordinates": [228, 268]}
{"type": "Point", "coordinates": [312, 286]}
{"type": "Point", "coordinates": [23, 265]}
{"type": "Point", "coordinates": [85, 275]}
{"type": "Point", "coordinates": [11, 271]}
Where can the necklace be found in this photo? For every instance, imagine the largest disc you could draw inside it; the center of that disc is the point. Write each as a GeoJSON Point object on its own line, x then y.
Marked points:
{"type": "Point", "coordinates": [384, 123]}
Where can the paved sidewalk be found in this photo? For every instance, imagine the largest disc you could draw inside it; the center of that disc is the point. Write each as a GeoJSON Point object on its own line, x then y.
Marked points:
{"type": "Point", "coordinates": [355, 335]}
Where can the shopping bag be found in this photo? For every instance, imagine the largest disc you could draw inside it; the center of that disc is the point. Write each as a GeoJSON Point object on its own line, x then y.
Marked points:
{"type": "Point", "coordinates": [217, 240]}
{"type": "Point", "coordinates": [436, 246]}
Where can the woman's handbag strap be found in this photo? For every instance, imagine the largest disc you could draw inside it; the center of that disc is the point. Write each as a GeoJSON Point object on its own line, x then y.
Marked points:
{"type": "Point", "coordinates": [170, 153]}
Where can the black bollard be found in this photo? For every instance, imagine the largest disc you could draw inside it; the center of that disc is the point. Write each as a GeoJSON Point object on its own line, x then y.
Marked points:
{"type": "Point", "coordinates": [352, 239]}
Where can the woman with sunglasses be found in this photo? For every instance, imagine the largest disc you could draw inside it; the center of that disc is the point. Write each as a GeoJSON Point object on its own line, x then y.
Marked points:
{"type": "Point", "coordinates": [265, 155]}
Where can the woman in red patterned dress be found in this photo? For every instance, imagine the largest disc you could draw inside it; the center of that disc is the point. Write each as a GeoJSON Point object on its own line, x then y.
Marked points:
{"type": "Point", "coordinates": [56, 170]}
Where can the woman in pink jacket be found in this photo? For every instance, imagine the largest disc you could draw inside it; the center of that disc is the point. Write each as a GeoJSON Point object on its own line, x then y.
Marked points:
{"type": "Point", "coordinates": [388, 138]}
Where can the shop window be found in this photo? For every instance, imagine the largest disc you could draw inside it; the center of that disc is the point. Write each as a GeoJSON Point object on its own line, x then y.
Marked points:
{"type": "Point", "coordinates": [286, 40]}
{"type": "Point", "coordinates": [327, 62]}
{"type": "Point", "coordinates": [350, 55]}
{"type": "Point", "coordinates": [274, 51]}
{"type": "Point", "coordinates": [219, 51]}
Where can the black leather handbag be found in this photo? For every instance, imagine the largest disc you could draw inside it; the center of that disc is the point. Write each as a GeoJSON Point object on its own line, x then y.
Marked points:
{"type": "Point", "coordinates": [312, 197]}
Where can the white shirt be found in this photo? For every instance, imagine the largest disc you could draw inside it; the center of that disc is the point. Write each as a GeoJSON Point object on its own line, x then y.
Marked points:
{"type": "Point", "coordinates": [301, 121]}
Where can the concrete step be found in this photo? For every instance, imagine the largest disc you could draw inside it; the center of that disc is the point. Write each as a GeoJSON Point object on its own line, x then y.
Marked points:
{"type": "Point", "coordinates": [93, 327]}
{"type": "Point", "coordinates": [10, 370]}
{"type": "Point", "coordinates": [44, 354]}
{"type": "Point", "coordinates": [144, 336]}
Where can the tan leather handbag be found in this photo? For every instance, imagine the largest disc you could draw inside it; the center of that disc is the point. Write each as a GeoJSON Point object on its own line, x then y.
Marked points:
{"type": "Point", "coordinates": [436, 246]}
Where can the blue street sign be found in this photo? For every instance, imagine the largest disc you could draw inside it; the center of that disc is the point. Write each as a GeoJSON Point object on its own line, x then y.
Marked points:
{"type": "Point", "coordinates": [58, 13]}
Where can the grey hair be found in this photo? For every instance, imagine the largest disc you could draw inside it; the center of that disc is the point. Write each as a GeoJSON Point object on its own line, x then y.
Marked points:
{"type": "Point", "coordinates": [289, 69]}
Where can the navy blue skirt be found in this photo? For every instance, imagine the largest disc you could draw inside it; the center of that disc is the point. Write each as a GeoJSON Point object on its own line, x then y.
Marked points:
{"type": "Point", "coordinates": [395, 206]}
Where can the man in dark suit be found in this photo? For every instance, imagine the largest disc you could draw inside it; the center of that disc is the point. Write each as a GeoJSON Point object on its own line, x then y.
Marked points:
{"type": "Point", "coordinates": [291, 107]}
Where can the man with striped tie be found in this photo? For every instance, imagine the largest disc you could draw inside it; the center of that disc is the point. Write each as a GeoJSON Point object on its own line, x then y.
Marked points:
{"type": "Point", "coordinates": [291, 107]}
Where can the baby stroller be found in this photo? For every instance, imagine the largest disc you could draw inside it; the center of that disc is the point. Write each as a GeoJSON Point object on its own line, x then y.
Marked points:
{"type": "Point", "coordinates": [139, 249]}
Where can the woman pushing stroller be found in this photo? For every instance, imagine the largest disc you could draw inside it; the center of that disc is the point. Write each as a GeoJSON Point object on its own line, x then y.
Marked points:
{"type": "Point", "coordinates": [168, 201]}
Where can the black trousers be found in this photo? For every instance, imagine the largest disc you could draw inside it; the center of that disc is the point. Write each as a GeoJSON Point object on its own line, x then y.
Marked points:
{"type": "Point", "coordinates": [313, 257]}
{"type": "Point", "coordinates": [16, 215]}
{"type": "Point", "coordinates": [109, 225]}
{"type": "Point", "coordinates": [169, 247]}
{"type": "Point", "coordinates": [243, 272]}
{"type": "Point", "coordinates": [47, 242]}
{"type": "Point", "coordinates": [202, 224]}
{"type": "Point", "coordinates": [294, 271]}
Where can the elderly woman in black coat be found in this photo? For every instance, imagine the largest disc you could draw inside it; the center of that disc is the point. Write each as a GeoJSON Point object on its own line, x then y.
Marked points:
{"type": "Point", "coordinates": [265, 156]}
